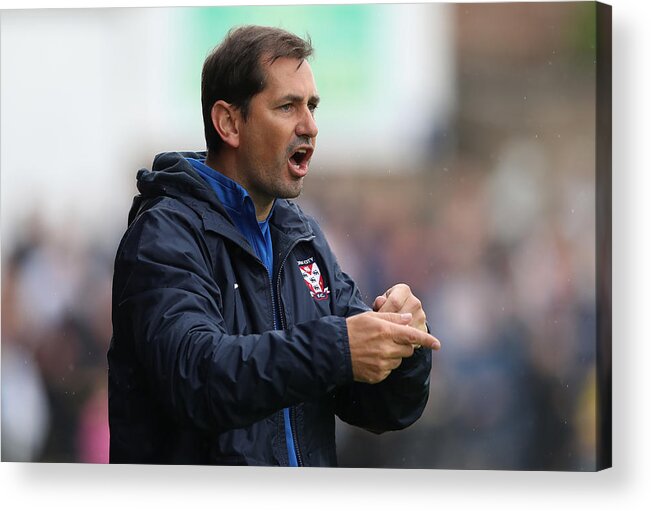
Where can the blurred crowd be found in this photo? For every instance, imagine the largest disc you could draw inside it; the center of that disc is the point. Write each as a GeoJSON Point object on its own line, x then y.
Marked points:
{"type": "Point", "coordinates": [56, 327]}
{"type": "Point", "coordinates": [496, 235]}
{"type": "Point", "coordinates": [508, 291]}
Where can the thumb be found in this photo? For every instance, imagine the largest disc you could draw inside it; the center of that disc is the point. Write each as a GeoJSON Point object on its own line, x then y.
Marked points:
{"type": "Point", "coordinates": [379, 302]}
{"type": "Point", "coordinates": [394, 317]}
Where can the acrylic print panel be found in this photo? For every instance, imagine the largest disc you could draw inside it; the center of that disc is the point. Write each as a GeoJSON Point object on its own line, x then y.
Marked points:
{"type": "Point", "coordinates": [457, 153]}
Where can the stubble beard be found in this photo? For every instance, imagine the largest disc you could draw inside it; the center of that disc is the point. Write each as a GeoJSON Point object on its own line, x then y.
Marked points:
{"type": "Point", "coordinates": [277, 184]}
{"type": "Point", "coordinates": [291, 191]}
{"type": "Point", "coordinates": [279, 190]}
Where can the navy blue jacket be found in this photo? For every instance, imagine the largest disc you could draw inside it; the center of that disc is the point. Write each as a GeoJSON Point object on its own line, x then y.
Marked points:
{"type": "Point", "coordinates": [197, 374]}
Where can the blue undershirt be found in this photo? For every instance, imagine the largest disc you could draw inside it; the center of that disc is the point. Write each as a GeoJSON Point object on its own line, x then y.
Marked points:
{"type": "Point", "coordinates": [240, 208]}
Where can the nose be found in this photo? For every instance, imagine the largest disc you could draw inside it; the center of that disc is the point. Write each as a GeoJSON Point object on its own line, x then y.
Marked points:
{"type": "Point", "coordinates": [306, 126]}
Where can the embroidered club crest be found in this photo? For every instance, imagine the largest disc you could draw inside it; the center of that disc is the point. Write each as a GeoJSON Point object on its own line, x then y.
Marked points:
{"type": "Point", "coordinates": [314, 279]}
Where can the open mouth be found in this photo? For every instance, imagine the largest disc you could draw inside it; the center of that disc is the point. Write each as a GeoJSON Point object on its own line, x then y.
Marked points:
{"type": "Point", "coordinates": [300, 159]}
{"type": "Point", "coordinates": [300, 156]}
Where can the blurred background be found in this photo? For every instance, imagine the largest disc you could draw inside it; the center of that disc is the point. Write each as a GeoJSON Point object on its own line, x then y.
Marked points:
{"type": "Point", "coordinates": [456, 153]}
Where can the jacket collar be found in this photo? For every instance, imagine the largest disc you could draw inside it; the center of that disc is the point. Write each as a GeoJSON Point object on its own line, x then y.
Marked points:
{"type": "Point", "coordinates": [174, 176]}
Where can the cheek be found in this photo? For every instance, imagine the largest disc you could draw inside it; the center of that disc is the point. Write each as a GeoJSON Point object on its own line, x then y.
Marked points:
{"type": "Point", "coordinates": [269, 142]}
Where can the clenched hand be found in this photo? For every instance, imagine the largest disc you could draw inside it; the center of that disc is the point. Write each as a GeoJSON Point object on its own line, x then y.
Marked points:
{"type": "Point", "coordinates": [399, 298]}
{"type": "Point", "coordinates": [380, 340]}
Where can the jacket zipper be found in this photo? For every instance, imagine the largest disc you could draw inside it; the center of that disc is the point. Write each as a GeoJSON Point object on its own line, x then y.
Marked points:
{"type": "Point", "coordinates": [292, 411]}
{"type": "Point", "coordinates": [273, 317]}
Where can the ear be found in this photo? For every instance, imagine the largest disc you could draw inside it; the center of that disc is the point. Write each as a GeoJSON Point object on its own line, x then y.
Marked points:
{"type": "Point", "coordinates": [225, 118]}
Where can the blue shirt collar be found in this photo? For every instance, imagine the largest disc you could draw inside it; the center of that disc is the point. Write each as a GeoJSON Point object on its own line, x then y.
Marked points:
{"type": "Point", "coordinates": [231, 194]}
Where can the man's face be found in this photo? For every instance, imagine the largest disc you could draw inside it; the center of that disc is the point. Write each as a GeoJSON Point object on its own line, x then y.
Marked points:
{"type": "Point", "coordinates": [278, 138]}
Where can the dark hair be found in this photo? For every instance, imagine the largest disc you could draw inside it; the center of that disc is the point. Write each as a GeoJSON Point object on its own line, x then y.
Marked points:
{"type": "Point", "coordinates": [233, 72]}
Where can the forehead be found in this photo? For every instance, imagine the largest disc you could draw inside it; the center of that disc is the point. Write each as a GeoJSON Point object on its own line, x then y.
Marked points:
{"type": "Point", "coordinates": [290, 76]}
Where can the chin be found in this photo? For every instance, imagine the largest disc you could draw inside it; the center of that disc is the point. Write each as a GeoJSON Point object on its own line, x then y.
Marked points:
{"type": "Point", "coordinates": [294, 194]}
{"type": "Point", "coordinates": [292, 191]}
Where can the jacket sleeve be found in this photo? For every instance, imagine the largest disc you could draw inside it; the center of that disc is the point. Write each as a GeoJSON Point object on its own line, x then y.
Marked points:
{"type": "Point", "coordinates": [168, 310]}
{"type": "Point", "coordinates": [400, 399]}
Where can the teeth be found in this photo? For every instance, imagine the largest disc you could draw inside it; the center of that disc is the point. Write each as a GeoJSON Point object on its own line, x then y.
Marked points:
{"type": "Point", "coordinates": [299, 156]}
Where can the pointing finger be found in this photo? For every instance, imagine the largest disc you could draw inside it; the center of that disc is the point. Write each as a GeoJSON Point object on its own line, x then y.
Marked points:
{"type": "Point", "coordinates": [406, 334]}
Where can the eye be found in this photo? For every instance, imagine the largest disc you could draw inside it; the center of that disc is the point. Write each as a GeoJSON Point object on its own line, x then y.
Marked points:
{"type": "Point", "coordinates": [286, 107]}
{"type": "Point", "coordinates": [312, 107]}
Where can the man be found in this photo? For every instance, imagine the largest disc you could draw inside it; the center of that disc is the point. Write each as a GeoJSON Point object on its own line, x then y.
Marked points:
{"type": "Point", "coordinates": [237, 337]}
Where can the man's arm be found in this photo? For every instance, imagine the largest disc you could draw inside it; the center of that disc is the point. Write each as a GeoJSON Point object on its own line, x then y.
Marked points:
{"type": "Point", "coordinates": [168, 305]}
{"type": "Point", "coordinates": [167, 312]}
{"type": "Point", "coordinates": [397, 400]}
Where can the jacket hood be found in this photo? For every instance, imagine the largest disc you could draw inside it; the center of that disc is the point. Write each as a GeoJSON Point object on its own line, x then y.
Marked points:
{"type": "Point", "coordinates": [173, 176]}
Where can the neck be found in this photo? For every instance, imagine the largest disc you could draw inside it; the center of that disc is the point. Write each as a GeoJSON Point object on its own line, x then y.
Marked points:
{"type": "Point", "coordinates": [225, 164]}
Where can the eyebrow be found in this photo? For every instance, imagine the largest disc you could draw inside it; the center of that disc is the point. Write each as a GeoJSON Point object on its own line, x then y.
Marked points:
{"type": "Point", "coordinates": [293, 98]}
